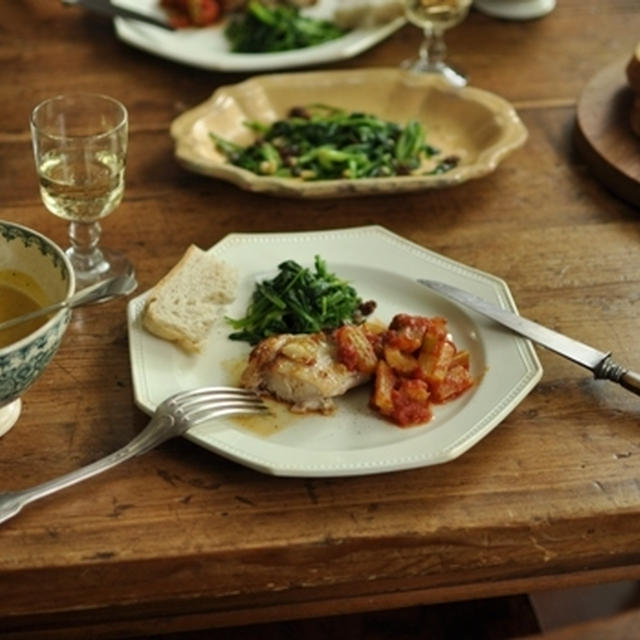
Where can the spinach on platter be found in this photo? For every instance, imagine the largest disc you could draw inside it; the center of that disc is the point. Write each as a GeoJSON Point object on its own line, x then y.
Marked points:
{"type": "Point", "coordinates": [320, 142]}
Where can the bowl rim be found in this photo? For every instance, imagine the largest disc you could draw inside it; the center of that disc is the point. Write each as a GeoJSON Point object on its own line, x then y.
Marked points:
{"type": "Point", "coordinates": [18, 344]}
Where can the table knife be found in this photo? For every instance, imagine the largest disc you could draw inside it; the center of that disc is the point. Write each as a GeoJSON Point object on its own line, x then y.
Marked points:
{"type": "Point", "coordinates": [598, 362]}
{"type": "Point", "coordinates": [106, 7]}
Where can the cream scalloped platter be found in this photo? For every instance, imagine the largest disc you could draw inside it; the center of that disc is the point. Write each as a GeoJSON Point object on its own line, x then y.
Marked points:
{"type": "Point", "coordinates": [477, 126]}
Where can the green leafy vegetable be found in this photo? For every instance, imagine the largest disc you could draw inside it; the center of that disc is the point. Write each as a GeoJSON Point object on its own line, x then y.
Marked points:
{"type": "Point", "coordinates": [299, 300]}
{"type": "Point", "coordinates": [262, 29]}
{"type": "Point", "coordinates": [319, 142]}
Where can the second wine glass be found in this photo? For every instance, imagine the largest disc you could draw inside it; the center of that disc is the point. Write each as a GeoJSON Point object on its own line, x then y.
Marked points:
{"type": "Point", "coordinates": [80, 149]}
{"type": "Point", "coordinates": [434, 17]}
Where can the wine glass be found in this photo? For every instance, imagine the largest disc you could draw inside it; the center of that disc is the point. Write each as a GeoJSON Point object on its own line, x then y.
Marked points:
{"type": "Point", "coordinates": [434, 17]}
{"type": "Point", "coordinates": [80, 147]}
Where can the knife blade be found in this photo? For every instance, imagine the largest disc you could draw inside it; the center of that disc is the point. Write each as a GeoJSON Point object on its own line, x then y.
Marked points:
{"type": "Point", "coordinates": [107, 8]}
{"type": "Point", "coordinates": [598, 362]}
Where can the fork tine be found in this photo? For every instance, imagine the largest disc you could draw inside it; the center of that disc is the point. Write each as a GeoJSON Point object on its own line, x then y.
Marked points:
{"type": "Point", "coordinates": [218, 411]}
{"type": "Point", "coordinates": [213, 392]}
{"type": "Point", "coordinates": [207, 403]}
{"type": "Point", "coordinates": [206, 409]}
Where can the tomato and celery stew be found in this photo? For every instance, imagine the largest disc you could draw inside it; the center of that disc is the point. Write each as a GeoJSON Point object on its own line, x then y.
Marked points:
{"type": "Point", "coordinates": [414, 363]}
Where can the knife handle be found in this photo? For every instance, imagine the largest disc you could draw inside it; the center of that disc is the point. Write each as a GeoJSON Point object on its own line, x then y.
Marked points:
{"type": "Point", "coordinates": [609, 370]}
{"type": "Point", "coordinates": [630, 380]}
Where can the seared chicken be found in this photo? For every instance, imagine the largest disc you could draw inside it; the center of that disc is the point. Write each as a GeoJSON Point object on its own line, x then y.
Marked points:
{"type": "Point", "coordinates": [302, 370]}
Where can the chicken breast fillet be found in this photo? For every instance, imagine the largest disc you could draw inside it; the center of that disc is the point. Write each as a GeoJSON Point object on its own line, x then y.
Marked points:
{"type": "Point", "coordinates": [302, 370]}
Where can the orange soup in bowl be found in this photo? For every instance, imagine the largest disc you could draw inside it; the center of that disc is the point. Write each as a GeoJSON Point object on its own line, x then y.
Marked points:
{"type": "Point", "coordinates": [19, 294]}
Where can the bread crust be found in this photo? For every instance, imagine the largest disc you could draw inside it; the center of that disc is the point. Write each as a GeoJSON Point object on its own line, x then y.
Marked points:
{"type": "Point", "coordinates": [163, 313]}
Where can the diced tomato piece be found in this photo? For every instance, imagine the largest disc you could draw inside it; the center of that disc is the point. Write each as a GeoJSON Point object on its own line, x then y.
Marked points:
{"type": "Point", "coordinates": [457, 381]}
{"type": "Point", "coordinates": [355, 350]}
{"type": "Point", "coordinates": [414, 389]}
{"type": "Point", "coordinates": [400, 362]}
{"type": "Point", "coordinates": [401, 340]}
{"type": "Point", "coordinates": [377, 343]}
{"type": "Point", "coordinates": [411, 403]}
{"type": "Point", "coordinates": [406, 332]}
{"type": "Point", "coordinates": [187, 13]}
{"type": "Point", "coordinates": [203, 12]}
{"type": "Point", "coordinates": [178, 20]}
{"type": "Point", "coordinates": [436, 332]}
{"type": "Point", "coordinates": [461, 358]}
{"type": "Point", "coordinates": [407, 321]}
{"type": "Point", "coordinates": [383, 385]}
{"type": "Point", "coordinates": [435, 359]}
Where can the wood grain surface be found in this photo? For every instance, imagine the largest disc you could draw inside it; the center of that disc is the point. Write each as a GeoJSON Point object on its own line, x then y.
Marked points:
{"type": "Point", "coordinates": [180, 539]}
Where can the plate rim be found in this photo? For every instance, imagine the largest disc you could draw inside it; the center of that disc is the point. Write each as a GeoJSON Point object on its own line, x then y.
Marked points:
{"type": "Point", "coordinates": [225, 443]}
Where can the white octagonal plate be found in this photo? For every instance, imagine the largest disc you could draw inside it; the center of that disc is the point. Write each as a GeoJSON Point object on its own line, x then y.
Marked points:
{"type": "Point", "coordinates": [354, 440]}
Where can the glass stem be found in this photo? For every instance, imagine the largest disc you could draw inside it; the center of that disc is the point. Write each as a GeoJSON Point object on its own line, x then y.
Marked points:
{"type": "Point", "coordinates": [84, 253]}
{"type": "Point", "coordinates": [433, 49]}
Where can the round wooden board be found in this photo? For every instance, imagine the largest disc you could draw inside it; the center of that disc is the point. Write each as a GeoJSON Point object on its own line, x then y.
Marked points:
{"type": "Point", "coordinates": [603, 133]}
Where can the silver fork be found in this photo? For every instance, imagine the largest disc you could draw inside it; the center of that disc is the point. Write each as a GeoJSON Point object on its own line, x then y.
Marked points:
{"type": "Point", "coordinates": [173, 417]}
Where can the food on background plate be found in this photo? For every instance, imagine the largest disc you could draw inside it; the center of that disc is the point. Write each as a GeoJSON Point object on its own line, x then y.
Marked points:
{"type": "Point", "coordinates": [633, 77]}
{"type": "Point", "coordinates": [264, 29]}
{"type": "Point", "coordinates": [185, 303]}
{"type": "Point", "coordinates": [200, 13]}
{"type": "Point", "coordinates": [192, 13]}
{"type": "Point", "coordinates": [255, 26]}
{"type": "Point", "coordinates": [321, 142]}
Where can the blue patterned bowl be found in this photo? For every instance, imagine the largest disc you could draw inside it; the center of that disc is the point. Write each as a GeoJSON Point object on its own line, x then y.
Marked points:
{"type": "Point", "coordinates": [23, 361]}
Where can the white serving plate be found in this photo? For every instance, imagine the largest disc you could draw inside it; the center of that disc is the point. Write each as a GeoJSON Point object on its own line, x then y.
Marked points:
{"type": "Point", "coordinates": [354, 440]}
{"type": "Point", "coordinates": [207, 47]}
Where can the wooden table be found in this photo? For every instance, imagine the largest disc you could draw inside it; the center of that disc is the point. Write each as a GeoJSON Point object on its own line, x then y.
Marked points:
{"type": "Point", "coordinates": [182, 539]}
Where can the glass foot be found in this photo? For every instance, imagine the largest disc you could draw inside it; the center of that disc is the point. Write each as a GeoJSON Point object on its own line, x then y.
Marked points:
{"type": "Point", "coordinates": [453, 76]}
{"type": "Point", "coordinates": [9, 415]}
{"type": "Point", "coordinates": [112, 263]}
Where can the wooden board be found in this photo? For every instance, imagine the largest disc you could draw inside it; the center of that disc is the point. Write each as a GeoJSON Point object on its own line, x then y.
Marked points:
{"type": "Point", "coordinates": [603, 132]}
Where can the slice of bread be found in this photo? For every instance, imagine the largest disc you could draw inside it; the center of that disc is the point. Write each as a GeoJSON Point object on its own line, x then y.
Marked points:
{"type": "Point", "coordinates": [184, 304]}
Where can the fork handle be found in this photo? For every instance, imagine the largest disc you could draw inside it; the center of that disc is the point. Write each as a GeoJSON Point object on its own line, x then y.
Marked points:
{"type": "Point", "coordinates": [11, 502]}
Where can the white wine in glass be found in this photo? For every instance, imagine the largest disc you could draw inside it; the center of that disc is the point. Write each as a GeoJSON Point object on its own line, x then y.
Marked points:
{"type": "Point", "coordinates": [80, 150]}
{"type": "Point", "coordinates": [434, 17]}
